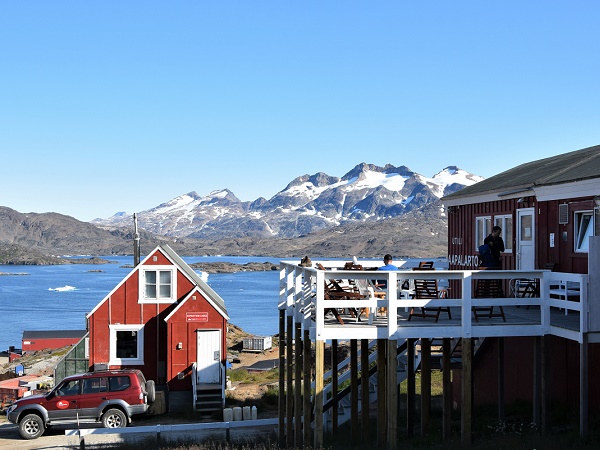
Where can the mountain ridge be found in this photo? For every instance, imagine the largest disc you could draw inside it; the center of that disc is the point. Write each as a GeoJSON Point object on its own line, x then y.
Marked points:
{"type": "Point", "coordinates": [309, 203]}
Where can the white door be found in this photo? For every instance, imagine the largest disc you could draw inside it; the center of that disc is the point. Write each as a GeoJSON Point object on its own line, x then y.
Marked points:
{"type": "Point", "coordinates": [526, 239]}
{"type": "Point", "coordinates": [208, 360]}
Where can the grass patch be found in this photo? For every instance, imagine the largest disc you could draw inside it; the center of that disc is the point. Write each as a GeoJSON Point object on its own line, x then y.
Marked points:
{"type": "Point", "coordinates": [243, 376]}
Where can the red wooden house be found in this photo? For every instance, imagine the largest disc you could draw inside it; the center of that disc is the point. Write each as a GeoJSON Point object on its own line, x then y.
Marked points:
{"type": "Point", "coordinates": [548, 212]}
{"type": "Point", "coordinates": [167, 322]}
{"type": "Point", "coordinates": [52, 339]}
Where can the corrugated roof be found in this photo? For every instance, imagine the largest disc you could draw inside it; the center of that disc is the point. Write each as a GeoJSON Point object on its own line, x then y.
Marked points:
{"type": "Point", "coordinates": [566, 168]}
{"type": "Point", "coordinates": [53, 334]}
{"type": "Point", "coordinates": [210, 292]}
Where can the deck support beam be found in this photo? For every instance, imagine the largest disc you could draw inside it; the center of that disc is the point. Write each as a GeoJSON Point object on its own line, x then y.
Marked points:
{"type": "Point", "coordinates": [583, 388]}
{"type": "Point", "coordinates": [501, 378]}
{"type": "Point", "coordinates": [537, 381]}
{"type": "Point", "coordinates": [381, 395]}
{"type": "Point", "coordinates": [289, 383]}
{"type": "Point", "coordinates": [545, 382]}
{"type": "Point", "coordinates": [364, 386]}
{"type": "Point", "coordinates": [425, 385]}
{"type": "Point", "coordinates": [467, 391]}
{"type": "Point", "coordinates": [410, 387]}
{"type": "Point", "coordinates": [298, 386]}
{"type": "Point", "coordinates": [319, 385]}
{"type": "Point", "coordinates": [354, 426]}
{"type": "Point", "coordinates": [334, 385]}
{"type": "Point", "coordinates": [392, 394]}
{"type": "Point", "coordinates": [307, 409]}
{"type": "Point", "coordinates": [446, 388]}
{"type": "Point", "coordinates": [281, 395]}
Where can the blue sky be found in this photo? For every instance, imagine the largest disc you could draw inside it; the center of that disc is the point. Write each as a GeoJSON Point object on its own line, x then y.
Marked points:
{"type": "Point", "coordinates": [110, 106]}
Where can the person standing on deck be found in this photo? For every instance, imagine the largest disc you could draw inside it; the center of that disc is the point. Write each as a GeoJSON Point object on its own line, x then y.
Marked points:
{"type": "Point", "coordinates": [496, 244]}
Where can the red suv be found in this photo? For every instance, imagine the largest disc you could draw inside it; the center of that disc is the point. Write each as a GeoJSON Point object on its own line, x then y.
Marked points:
{"type": "Point", "coordinates": [111, 397]}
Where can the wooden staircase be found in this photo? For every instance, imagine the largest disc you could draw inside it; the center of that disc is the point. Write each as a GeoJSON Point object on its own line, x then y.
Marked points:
{"type": "Point", "coordinates": [208, 399]}
{"type": "Point", "coordinates": [344, 397]}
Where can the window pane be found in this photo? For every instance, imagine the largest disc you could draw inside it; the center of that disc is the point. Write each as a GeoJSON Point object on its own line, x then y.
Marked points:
{"type": "Point", "coordinates": [584, 231]}
{"type": "Point", "coordinates": [165, 291]}
{"type": "Point", "coordinates": [480, 231]}
{"type": "Point", "coordinates": [165, 284]}
{"type": "Point", "coordinates": [126, 343]}
{"type": "Point", "coordinates": [150, 277]}
{"type": "Point", "coordinates": [508, 232]}
{"type": "Point", "coordinates": [119, 383]}
{"type": "Point", "coordinates": [165, 277]}
{"type": "Point", "coordinates": [150, 291]}
{"type": "Point", "coordinates": [526, 231]}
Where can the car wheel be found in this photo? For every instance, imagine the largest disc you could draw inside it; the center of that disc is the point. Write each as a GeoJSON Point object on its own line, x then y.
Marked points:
{"type": "Point", "coordinates": [151, 391]}
{"type": "Point", "coordinates": [114, 418]}
{"type": "Point", "coordinates": [31, 426]}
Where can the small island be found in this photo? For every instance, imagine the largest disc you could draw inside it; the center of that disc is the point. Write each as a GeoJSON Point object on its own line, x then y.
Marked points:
{"type": "Point", "coordinates": [228, 267]}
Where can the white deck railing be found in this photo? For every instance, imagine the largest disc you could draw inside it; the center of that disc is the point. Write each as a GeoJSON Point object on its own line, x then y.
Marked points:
{"type": "Point", "coordinates": [302, 295]}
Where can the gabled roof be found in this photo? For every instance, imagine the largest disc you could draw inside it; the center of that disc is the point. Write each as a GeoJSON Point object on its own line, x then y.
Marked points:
{"type": "Point", "coordinates": [53, 334]}
{"type": "Point", "coordinates": [208, 292]}
{"type": "Point", "coordinates": [571, 167]}
{"type": "Point", "coordinates": [204, 288]}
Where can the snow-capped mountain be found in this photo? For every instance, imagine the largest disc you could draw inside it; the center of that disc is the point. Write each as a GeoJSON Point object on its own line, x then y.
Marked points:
{"type": "Point", "coordinates": [308, 203]}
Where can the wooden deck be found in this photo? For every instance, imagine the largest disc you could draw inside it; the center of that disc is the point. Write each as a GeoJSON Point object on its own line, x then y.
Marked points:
{"type": "Point", "coordinates": [304, 296]}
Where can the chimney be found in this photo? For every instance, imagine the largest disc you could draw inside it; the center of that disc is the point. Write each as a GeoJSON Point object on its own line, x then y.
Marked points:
{"type": "Point", "coordinates": [136, 242]}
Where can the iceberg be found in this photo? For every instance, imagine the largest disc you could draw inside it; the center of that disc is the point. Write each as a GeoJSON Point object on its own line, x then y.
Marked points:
{"type": "Point", "coordinates": [63, 289]}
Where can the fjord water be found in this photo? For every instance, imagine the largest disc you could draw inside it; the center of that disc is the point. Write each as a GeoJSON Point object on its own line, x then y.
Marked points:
{"type": "Point", "coordinates": [32, 301]}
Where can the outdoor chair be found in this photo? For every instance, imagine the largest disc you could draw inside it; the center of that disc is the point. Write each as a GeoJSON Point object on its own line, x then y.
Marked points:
{"type": "Point", "coordinates": [428, 289]}
{"type": "Point", "coordinates": [485, 288]}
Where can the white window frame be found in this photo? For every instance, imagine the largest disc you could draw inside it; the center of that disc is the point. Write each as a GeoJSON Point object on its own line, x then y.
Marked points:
{"type": "Point", "coordinates": [581, 236]}
{"type": "Point", "coordinates": [142, 284]}
{"type": "Point", "coordinates": [114, 361]}
{"type": "Point", "coordinates": [503, 218]}
{"type": "Point", "coordinates": [486, 222]}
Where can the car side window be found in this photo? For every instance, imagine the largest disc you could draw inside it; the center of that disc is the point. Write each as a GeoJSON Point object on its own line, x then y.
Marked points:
{"type": "Point", "coordinates": [118, 383]}
{"type": "Point", "coordinates": [69, 388]}
{"type": "Point", "coordinates": [94, 385]}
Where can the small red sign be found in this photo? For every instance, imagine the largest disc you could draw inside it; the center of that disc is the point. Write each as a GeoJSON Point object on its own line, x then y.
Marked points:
{"type": "Point", "coordinates": [62, 404]}
{"type": "Point", "coordinates": [196, 316]}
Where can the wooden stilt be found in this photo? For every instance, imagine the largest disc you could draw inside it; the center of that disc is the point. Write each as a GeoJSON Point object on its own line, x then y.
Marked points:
{"type": "Point", "coordinates": [354, 426]}
{"type": "Point", "coordinates": [446, 388]}
{"type": "Point", "coordinates": [501, 378]}
{"type": "Point", "coordinates": [392, 394]}
{"type": "Point", "coordinates": [425, 385]}
{"type": "Point", "coordinates": [410, 387]}
{"type": "Point", "coordinates": [334, 385]}
{"type": "Point", "coordinates": [307, 407]}
{"type": "Point", "coordinates": [466, 392]}
{"type": "Point", "coordinates": [298, 386]}
{"type": "Point", "coordinates": [289, 383]}
{"type": "Point", "coordinates": [381, 396]}
{"type": "Point", "coordinates": [537, 381]}
{"type": "Point", "coordinates": [364, 389]}
{"type": "Point", "coordinates": [545, 383]}
{"type": "Point", "coordinates": [583, 389]}
{"type": "Point", "coordinates": [281, 395]}
{"type": "Point", "coordinates": [319, 374]}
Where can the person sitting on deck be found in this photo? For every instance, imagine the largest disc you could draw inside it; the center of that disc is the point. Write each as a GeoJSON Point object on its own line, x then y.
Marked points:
{"type": "Point", "coordinates": [387, 260]}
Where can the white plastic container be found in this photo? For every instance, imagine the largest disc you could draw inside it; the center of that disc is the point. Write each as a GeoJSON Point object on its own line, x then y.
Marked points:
{"type": "Point", "coordinates": [246, 413]}
{"type": "Point", "coordinates": [227, 415]}
{"type": "Point", "coordinates": [254, 413]}
{"type": "Point", "coordinates": [237, 413]}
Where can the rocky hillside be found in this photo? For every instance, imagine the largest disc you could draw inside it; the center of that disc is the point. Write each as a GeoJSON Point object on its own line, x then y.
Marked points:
{"type": "Point", "coordinates": [419, 233]}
